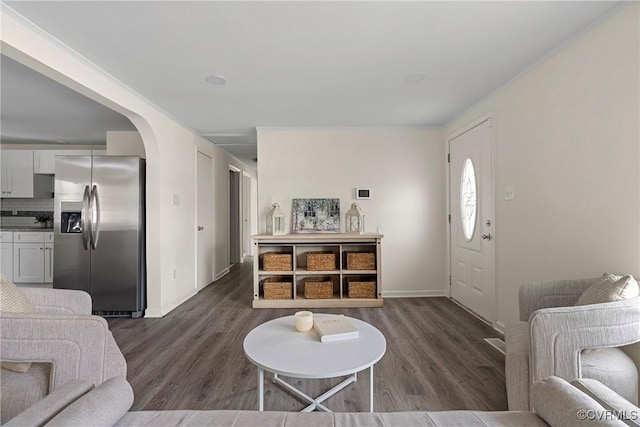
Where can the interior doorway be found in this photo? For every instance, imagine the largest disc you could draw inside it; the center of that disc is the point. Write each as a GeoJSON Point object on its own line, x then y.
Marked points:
{"type": "Point", "coordinates": [235, 230]}
{"type": "Point", "coordinates": [246, 215]}
{"type": "Point", "coordinates": [472, 243]}
{"type": "Point", "coordinates": [204, 220]}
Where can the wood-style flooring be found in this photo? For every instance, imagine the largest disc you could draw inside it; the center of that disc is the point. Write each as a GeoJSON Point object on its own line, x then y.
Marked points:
{"type": "Point", "coordinates": [192, 358]}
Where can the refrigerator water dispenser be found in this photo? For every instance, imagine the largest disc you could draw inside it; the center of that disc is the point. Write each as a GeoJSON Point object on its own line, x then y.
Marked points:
{"type": "Point", "coordinates": [71, 217]}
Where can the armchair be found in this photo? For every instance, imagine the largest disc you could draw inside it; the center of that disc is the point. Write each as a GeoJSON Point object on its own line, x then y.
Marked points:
{"type": "Point", "coordinates": [64, 342]}
{"type": "Point", "coordinates": [554, 337]}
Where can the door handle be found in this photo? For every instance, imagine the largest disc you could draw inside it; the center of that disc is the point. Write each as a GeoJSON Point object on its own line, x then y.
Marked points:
{"type": "Point", "coordinates": [95, 221]}
{"type": "Point", "coordinates": [486, 236]}
{"type": "Point", "coordinates": [84, 219]}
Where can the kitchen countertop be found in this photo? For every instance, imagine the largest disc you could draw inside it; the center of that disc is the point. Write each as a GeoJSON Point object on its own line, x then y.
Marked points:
{"type": "Point", "coordinates": [23, 228]}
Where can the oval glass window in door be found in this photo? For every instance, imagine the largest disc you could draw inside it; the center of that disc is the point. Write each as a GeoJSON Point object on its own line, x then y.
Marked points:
{"type": "Point", "coordinates": [468, 199]}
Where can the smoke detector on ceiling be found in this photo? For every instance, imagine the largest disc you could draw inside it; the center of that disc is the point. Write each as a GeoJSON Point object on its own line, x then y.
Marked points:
{"type": "Point", "coordinates": [215, 79]}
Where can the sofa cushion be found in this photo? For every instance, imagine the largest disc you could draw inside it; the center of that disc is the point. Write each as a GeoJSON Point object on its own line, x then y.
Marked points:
{"type": "Point", "coordinates": [516, 361]}
{"type": "Point", "coordinates": [561, 404]}
{"type": "Point", "coordinates": [103, 406]}
{"type": "Point", "coordinates": [185, 418]}
{"type": "Point", "coordinates": [459, 418]}
{"type": "Point", "coordinates": [13, 300]}
{"type": "Point", "coordinates": [610, 400]}
{"type": "Point", "coordinates": [610, 288]}
{"type": "Point", "coordinates": [44, 410]}
{"type": "Point", "coordinates": [20, 391]}
{"type": "Point", "coordinates": [323, 419]}
{"type": "Point", "coordinates": [613, 368]}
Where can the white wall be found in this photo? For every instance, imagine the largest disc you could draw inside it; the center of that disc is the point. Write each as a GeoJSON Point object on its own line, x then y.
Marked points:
{"type": "Point", "coordinates": [403, 167]}
{"type": "Point", "coordinates": [567, 138]}
{"type": "Point", "coordinates": [170, 149]}
{"type": "Point", "coordinates": [121, 143]}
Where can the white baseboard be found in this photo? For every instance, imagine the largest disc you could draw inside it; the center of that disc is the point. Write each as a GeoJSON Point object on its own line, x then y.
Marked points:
{"type": "Point", "coordinates": [221, 274]}
{"type": "Point", "coordinates": [152, 313]}
{"type": "Point", "coordinates": [499, 326]}
{"type": "Point", "coordinates": [415, 294]}
{"type": "Point", "coordinates": [168, 309]}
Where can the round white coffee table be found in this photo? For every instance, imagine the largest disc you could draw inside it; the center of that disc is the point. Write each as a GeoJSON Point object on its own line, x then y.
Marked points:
{"type": "Point", "coordinates": [276, 346]}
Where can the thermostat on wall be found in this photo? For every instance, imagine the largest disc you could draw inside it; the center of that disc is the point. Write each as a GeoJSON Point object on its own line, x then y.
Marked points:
{"type": "Point", "coordinates": [363, 193]}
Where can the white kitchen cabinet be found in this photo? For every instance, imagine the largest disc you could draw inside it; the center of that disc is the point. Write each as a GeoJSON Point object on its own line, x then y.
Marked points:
{"type": "Point", "coordinates": [6, 263]}
{"type": "Point", "coordinates": [48, 263]}
{"type": "Point", "coordinates": [44, 161]}
{"type": "Point", "coordinates": [6, 254]}
{"type": "Point", "coordinates": [33, 257]}
{"type": "Point", "coordinates": [102, 152]}
{"type": "Point", "coordinates": [77, 152]}
{"type": "Point", "coordinates": [28, 262]}
{"type": "Point", "coordinates": [17, 173]}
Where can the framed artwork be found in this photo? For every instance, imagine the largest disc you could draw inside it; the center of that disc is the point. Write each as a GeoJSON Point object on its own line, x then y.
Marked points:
{"type": "Point", "coordinates": [316, 215]}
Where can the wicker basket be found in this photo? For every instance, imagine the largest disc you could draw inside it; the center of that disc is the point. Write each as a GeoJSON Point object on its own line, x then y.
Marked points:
{"type": "Point", "coordinates": [359, 288]}
{"type": "Point", "coordinates": [275, 288]}
{"type": "Point", "coordinates": [321, 261]}
{"type": "Point", "coordinates": [361, 261]}
{"type": "Point", "coordinates": [273, 261]}
{"type": "Point", "coordinates": [316, 288]}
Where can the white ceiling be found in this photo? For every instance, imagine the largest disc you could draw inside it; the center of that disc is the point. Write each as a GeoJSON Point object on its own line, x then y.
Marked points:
{"type": "Point", "coordinates": [312, 63]}
{"type": "Point", "coordinates": [37, 110]}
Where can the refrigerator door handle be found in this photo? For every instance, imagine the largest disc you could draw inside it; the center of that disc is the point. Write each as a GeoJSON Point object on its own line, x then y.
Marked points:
{"type": "Point", "coordinates": [95, 217]}
{"type": "Point", "coordinates": [84, 218]}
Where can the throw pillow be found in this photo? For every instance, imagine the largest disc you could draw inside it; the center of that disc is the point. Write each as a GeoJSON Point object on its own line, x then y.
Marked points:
{"type": "Point", "coordinates": [610, 288]}
{"type": "Point", "coordinates": [13, 300]}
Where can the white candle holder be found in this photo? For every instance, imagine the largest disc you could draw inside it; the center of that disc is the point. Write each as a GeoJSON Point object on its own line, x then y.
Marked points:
{"type": "Point", "coordinates": [304, 321]}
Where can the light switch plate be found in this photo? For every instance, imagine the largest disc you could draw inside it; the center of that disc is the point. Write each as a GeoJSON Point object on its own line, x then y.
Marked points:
{"type": "Point", "coordinates": [509, 193]}
{"type": "Point", "coordinates": [176, 200]}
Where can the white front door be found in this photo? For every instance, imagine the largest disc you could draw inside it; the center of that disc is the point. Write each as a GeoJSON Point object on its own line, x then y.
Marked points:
{"type": "Point", "coordinates": [204, 232]}
{"type": "Point", "coordinates": [472, 220]}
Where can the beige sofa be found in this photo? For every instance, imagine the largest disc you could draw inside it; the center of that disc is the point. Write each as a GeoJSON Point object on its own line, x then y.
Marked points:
{"type": "Point", "coordinates": [78, 379]}
{"type": "Point", "coordinates": [78, 403]}
{"type": "Point", "coordinates": [62, 339]}
{"type": "Point", "coordinates": [553, 333]}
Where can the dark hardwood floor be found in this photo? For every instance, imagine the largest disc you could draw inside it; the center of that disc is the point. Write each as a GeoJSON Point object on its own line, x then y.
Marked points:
{"type": "Point", "coordinates": [192, 358]}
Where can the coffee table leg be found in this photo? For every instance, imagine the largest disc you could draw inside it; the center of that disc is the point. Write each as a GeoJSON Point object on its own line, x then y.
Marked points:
{"type": "Point", "coordinates": [260, 389]}
{"type": "Point", "coordinates": [317, 402]}
{"type": "Point", "coordinates": [371, 389]}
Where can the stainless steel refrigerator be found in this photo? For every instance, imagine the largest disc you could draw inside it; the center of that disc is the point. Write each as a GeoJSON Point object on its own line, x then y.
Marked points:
{"type": "Point", "coordinates": [99, 231]}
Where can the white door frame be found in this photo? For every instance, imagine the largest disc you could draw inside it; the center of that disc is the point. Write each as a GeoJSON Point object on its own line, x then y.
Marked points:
{"type": "Point", "coordinates": [238, 171]}
{"type": "Point", "coordinates": [462, 130]}
{"type": "Point", "coordinates": [246, 216]}
{"type": "Point", "coordinates": [196, 284]}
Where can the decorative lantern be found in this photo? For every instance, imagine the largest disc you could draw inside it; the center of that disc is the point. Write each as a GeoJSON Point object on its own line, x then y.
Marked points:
{"type": "Point", "coordinates": [276, 224]}
{"type": "Point", "coordinates": [354, 220]}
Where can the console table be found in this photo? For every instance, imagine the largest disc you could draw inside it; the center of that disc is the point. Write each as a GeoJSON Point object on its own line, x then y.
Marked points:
{"type": "Point", "coordinates": [298, 246]}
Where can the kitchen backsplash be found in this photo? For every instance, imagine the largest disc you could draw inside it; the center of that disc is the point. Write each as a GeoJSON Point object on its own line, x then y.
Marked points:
{"type": "Point", "coordinates": [26, 210]}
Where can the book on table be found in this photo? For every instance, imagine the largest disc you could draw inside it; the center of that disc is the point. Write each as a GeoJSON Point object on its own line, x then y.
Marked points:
{"type": "Point", "coordinates": [334, 328]}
